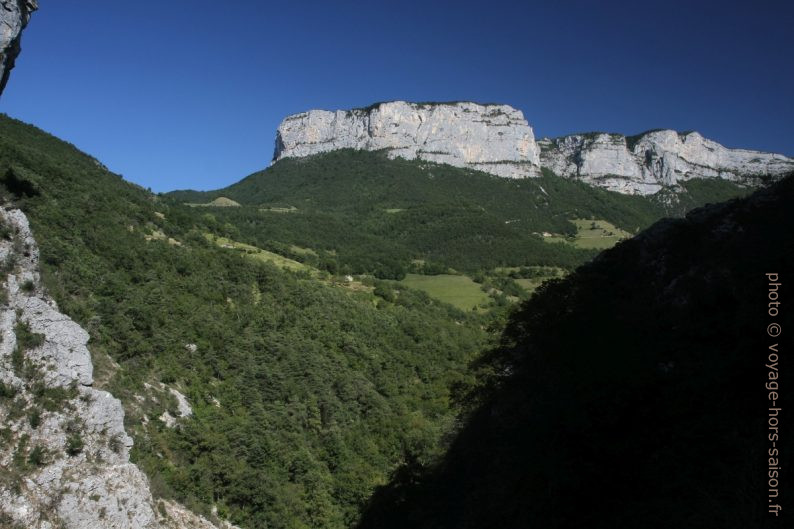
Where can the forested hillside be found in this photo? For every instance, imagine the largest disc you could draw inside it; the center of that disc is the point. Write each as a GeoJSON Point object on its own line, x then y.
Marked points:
{"type": "Point", "coordinates": [366, 213]}
{"type": "Point", "coordinates": [307, 390]}
{"type": "Point", "coordinates": [305, 394]}
{"type": "Point", "coordinates": [630, 394]}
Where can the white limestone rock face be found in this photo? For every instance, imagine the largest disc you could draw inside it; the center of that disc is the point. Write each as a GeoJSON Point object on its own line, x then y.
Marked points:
{"type": "Point", "coordinates": [646, 163]}
{"type": "Point", "coordinates": [497, 139]}
{"type": "Point", "coordinates": [48, 479]}
{"type": "Point", "coordinates": [14, 16]}
{"type": "Point", "coordinates": [491, 138]}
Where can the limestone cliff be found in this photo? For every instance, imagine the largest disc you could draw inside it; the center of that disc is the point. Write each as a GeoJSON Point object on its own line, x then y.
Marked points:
{"type": "Point", "coordinates": [64, 454]}
{"type": "Point", "coordinates": [645, 163]}
{"type": "Point", "coordinates": [492, 138]}
{"type": "Point", "coordinates": [498, 140]}
{"type": "Point", "coordinates": [14, 16]}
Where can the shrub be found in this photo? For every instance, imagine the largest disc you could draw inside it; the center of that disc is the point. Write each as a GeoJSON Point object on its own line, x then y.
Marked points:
{"type": "Point", "coordinates": [9, 263]}
{"type": "Point", "coordinates": [53, 399]}
{"type": "Point", "coordinates": [37, 457]}
{"type": "Point", "coordinates": [115, 444]}
{"type": "Point", "coordinates": [27, 339]}
{"type": "Point", "coordinates": [34, 418]}
{"type": "Point", "coordinates": [7, 392]}
{"type": "Point", "coordinates": [74, 444]}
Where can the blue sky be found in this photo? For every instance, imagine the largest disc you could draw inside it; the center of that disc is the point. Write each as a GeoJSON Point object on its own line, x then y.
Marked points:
{"type": "Point", "coordinates": [188, 94]}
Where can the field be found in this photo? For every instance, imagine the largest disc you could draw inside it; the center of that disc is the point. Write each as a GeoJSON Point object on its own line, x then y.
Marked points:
{"type": "Point", "coordinates": [529, 281]}
{"type": "Point", "coordinates": [459, 291]}
{"type": "Point", "coordinates": [258, 253]}
{"type": "Point", "coordinates": [530, 285]}
{"type": "Point", "coordinates": [592, 235]}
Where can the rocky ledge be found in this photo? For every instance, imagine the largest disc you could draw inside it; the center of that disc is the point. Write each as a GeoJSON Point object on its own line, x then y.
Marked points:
{"type": "Point", "coordinates": [497, 139]}
{"type": "Point", "coordinates": [646, 163]}
{"type": "Point", "coordinates": [491, 138]}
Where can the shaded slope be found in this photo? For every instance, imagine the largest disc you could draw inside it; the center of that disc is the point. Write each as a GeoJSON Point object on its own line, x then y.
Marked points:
{"type": "Point", "coordinates": [630, 394]}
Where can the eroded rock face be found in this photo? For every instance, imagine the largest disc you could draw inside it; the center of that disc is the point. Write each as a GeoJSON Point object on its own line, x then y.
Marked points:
{"type": "Point", "coordinates": [497, 139]}
{"type": "Point", "coordinates": [14, 16]}
{"type": "Point", "coordinates": [645, 163]}
{"type": "Point", "coordinates": [64, 454]}
{"type": "Point", "coordinates": [491, 138]}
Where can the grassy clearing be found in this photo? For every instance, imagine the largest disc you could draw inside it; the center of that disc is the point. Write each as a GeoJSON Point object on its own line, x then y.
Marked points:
{"type": "Point", "coordinates": [592, 235]}
{"type": "Point", "coordinates": [598, 234]}
{"type": "Point", "coordinates": [530, 285]}
{"type": "Point", "coordinates": [258, 253]}
{"type": "Point", "coordinates": [302, 251]}
{"type": "Point", "coordinates": [394, 210]}
{"type": "Point", "coordinates": [220, 202]}
{"type": "Point", "coordinates": [529, 278]}
{"type": "Point", "coordinates": [459, 291]}
{"type": "Point", "coordinates": [289, 209]}
{"type": "Point", "coordinates": [288, 264]}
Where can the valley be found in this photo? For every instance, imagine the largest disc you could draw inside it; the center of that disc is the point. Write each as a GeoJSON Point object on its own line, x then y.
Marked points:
{"type": "Point", "coordinates": [319, 388]}
{"type": "Point", "coordinates": [415, 314]}
{"type": "Point", "coordinates": [321, 318]}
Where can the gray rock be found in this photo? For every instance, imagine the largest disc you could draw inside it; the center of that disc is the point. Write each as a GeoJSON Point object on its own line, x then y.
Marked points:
{"type": "Point", "coordinates": [491, 138]}
{"type": "Point", "coordinates": [183, 406]}
{"type": "Point", "coordinates": [498, 140]}
{"type": "Point", "coordinates": [14, 16]}
{"type": "Point", "coordinates": [76, 485]}
{"type": "Point", "coordinates": [646, 163]}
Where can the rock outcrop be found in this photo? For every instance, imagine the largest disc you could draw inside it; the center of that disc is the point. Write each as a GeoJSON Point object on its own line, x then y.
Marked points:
{"type": "Point", "coordinates": [646, 163]}
{"type": "Point", "coordinates": [14, 16]}
{"type": "Point", "coordinates": [491, 138]}
{"type": "Point", "coordinates": [497, 139]}
{"type": "Point", "coordinates": [64, 454]}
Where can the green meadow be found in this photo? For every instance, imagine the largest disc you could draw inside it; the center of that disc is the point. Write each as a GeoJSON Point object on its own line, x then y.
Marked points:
{"type": "Point", "coordinates": [592, 235]}
{"type": "Point", "coordinates": [458, 291]}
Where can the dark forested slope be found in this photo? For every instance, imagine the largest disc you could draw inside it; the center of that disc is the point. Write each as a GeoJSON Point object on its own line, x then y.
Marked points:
{"type": "Point", "coordinates": [631, 394]}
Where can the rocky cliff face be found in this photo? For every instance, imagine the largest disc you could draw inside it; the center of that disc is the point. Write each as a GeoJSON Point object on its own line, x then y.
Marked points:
{"type": "Point", "coordinates": [492, 138]}
{"type": "Point", "coordinates": [64, 454]}
{"type": "Point", "coordinates": [645, 163]}
{"type": "Point", "coordinates": [497, 139]}
{"type": "Point", "coordinates": [14, 16]}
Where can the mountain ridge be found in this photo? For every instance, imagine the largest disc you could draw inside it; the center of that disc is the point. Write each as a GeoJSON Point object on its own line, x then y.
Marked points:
{"type": "Point", "coordinates": [497, 139]}
{"type": "Point", "coordinates": [646, 163]}
{"type": "Point", "coordinates": [427, 131]}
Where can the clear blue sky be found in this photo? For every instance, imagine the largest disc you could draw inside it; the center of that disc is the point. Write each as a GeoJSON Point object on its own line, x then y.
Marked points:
{"type": "Point", "coordinates": [188, 93]}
